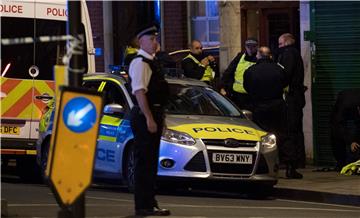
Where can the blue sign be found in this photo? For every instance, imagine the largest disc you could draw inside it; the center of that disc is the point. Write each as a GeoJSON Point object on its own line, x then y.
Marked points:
{"type": "Point", "coordinates": [79, 114]}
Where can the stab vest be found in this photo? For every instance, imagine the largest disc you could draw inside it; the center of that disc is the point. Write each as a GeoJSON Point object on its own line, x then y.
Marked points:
{"type": "Point", "coordinates": [158, 89]}
{"type": "Point", "coordinates": [243, 64]}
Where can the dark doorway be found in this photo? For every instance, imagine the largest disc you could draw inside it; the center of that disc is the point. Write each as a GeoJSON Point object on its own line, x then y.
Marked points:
{"type": "Point", "coordinates": [279, 21]}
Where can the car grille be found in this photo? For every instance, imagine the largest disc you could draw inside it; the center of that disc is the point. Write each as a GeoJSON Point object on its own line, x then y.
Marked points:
{"type": "Point", "coordinates": [221, 142]}
{"type": "Point", "coordinates": [231, 168]}
{"type": "Point", "coordinates": [197, 163]}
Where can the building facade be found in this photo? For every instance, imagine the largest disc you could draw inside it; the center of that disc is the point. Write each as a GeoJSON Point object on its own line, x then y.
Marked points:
{"type": "Point", "coordinates": [319, 35]}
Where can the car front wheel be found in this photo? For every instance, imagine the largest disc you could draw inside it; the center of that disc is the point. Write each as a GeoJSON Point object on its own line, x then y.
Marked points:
{"type": "Point", "coordinates": [44, 160]}
{"type": "Point", "coordinates": [129, 169]}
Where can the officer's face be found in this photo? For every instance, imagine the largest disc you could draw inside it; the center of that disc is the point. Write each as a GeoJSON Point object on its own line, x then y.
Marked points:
{"type": "Point", "coordinates": [148, 43]}
{"type": "Point", "coordinates": [281, 42]}
{"type": "Point", "coordinates": [196, 48]}
{"type": "Point", "coordinates": [251, 49]}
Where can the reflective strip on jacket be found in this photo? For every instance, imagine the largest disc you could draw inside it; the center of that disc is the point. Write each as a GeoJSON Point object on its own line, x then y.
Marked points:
{"type": "Point", "coordinates": [209, 72]}
{"type": "Point", "coordinates": [243, 64]}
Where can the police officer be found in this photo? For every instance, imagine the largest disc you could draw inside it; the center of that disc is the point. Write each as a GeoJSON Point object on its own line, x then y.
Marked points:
{"type": "Point", "coordinates": [290, 58]}
{"type": "Point", "coordinates": [345, 127]}
{"type": "Point", "coordinates": [232, 78]}
{"type": "Point", "coordinates": [265, 82]}
{"type": "Point", "coordinates": [196, 66]}
{"type": "Point", "coordinates": [149, 90]}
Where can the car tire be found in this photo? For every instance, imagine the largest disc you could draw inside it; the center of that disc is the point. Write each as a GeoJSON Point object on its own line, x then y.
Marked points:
{"type": "Point", "coordinates": [129, 169]}
{"type": "Point", "coordinates": [43, 161]}
{"type": "Point", "coordinates": [29, 171]}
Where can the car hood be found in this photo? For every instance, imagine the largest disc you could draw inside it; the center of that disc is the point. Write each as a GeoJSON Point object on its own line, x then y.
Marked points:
{"type": "Point", "coordinates": [213, 127]}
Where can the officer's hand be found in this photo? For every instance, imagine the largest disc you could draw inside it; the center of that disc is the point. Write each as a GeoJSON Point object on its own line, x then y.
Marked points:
{"type": "Point", "coordinates": [354, 147]}
{"type": "Point", "coordinates": [211, 58]}
{"type": "Point", "coordinates": [222, 91]}
{"type": "Point", "coordinates": [205, 61]}
{"type": "Point", "coordinates": [151, 125]}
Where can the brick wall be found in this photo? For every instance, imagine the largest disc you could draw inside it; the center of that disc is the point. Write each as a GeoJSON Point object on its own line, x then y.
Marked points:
{"type": "Point", "coordinates": [175, 25]}
{"type": "Point", "coordinates": [96, 18]}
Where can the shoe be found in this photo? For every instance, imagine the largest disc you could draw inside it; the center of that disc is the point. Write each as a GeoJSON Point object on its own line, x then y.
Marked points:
{"type": "Point", "coordinates": [291, 173]}
{"type": "Point", "coordinates": [152, 212]}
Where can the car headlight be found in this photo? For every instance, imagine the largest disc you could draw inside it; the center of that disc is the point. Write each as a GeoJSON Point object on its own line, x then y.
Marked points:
{"type": "Point", "coordinates": [177, 137]}
{"type": "Point", "coordinates": [269, 141]}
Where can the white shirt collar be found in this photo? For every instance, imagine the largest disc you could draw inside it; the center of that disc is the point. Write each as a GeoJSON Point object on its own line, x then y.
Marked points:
{"type": "Point", "coordinates": [145, 54]}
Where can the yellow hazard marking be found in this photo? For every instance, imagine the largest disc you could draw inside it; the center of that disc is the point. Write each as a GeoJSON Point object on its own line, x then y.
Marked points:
{"type": "Point", "coordinates": [43, 87]}
{"type": "Point", "coordinates": [107, 138]}
{"type": "Point", "coordinates": [109, 120]}
{"type": "Point", "coordinates": [2, 80]}
{"type": "Point", "coordinates": [26, 112]}
{"type": "Point", "coordinates": [101, 87]}
{"type": "Point", "coordinates": [220, 131]}
{"type": "Point", "coordinates": [31, 152]}
{"type": "Point", "coordinates": [15, 94]}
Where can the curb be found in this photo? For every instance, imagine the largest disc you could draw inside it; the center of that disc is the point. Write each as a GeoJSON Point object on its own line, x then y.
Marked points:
{"type": "Point", "coordinates": [4, 208]}
{"type": "Point", "coordinates": [316, 196]}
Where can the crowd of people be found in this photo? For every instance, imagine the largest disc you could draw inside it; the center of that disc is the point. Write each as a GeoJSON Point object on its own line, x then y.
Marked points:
{"type": "Point", "coordinates": [271, 86]}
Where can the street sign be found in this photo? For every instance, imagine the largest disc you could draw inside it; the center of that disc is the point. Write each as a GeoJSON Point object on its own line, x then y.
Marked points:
{"type": "Point", "coordinates": [74, 146]}
{"type": "Point", "coordinates": [61, 79]}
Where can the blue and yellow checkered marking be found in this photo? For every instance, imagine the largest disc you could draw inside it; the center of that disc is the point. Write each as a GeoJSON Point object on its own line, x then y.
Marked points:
{"type": "Point", "coordinates": [114, 129]}
{"type": "Point", "coordinates": [109, 128]}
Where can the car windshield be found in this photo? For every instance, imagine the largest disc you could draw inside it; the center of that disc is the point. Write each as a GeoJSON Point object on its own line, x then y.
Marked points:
{"type": "Point", "coordinates": [197, 100]}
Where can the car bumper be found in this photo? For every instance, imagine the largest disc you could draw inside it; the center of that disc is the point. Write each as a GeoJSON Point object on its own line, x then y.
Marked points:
{"type": "Point", "coordinates": [196, 162]}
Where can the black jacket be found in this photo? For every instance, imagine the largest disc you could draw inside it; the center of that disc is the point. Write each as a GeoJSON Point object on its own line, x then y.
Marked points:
{"type": "Point", "coordinates": [265, 81]}
{"type": "Point", "coordinates": [345, 118]}
{"type": "Point", "coordinates": [228, 77]}
{"type": "Point", "coordinates": [290, 58]}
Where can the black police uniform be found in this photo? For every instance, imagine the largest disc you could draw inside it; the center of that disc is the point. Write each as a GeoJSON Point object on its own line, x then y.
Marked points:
{"type": "Point", "coordinates": [345, 126]}
{"type": "Point", "coordinates": [264, 82]}
{"type": "Point", "coordinates": [290, 58]}
{"type": "Point", "coordinates": [147, 144]}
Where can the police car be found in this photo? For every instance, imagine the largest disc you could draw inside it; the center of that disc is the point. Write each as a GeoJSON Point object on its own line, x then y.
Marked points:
{"type": "Point", "coordinates": [206, 136]}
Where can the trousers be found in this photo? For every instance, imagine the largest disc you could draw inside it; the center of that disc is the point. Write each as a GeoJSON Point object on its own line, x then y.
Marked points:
{"type": "Point", "coordinates": [146, 148]}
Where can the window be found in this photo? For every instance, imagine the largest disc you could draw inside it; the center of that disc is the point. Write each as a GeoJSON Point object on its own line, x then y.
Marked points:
{"type": "Point", "coordinates": [205, 22]}
{"type": "Point", "coordinates": [19, 58]}
{"type": "Point", "coordinates": [114, 94]}
{"type": "Point", "coordinates": [93, 85]}
{"type": "Point", "coordinates": [196, 100]}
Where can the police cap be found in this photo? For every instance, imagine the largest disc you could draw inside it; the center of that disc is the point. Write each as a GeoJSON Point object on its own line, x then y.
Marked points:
{"type": "Point", "coordinates": [251, 41]}
{"type": "Point", "coordinates": [147, 30]}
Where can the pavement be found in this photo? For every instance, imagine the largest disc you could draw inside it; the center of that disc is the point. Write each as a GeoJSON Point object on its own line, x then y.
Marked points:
{"type": "Point", "coordinates": [320, 185]}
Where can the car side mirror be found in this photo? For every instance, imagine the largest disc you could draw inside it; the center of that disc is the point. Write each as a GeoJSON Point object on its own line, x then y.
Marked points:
{"type": "Point", "coordinates": [114, 109]}
{"type": "Point", "coordinates": [248, 114]}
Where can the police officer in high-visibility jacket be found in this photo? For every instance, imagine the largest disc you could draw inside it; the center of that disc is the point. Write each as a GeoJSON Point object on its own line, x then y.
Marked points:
{"type": "Point", "coordinates": [233, 77]}
{"type": "Point", "coordinates": [196, 66]}
{"type": "Point", "coordinates": [149, 91]}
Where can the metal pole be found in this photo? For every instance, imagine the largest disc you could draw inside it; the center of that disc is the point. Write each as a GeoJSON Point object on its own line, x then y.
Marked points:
{"type": "Point", "coordinates": [76, 66]}
{"type": "Point", "coordinates": [76, 70]}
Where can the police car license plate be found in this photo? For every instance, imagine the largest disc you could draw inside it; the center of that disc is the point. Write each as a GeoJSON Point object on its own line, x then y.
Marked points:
{"type": "Point", "coordinates": [232, 158]}
{"type": "Point", "coordinates": [11, 130]}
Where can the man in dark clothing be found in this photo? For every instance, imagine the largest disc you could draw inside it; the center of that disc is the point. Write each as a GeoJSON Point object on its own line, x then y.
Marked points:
{"type": "Point", "coordinates": [196, 66]}
{"type": "Point", "coordinates": [149, 91]}
{"type": "Point", "coordinates": [290, 58]}
{"type": "Point", "coordinates": [232, 78]}
{"type": "Point", "coordinates": [345, 127]}
{"type": "Point", "coordinates": [265, 82]}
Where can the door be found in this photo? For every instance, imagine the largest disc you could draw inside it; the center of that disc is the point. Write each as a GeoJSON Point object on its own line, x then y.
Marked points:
{"type": "Point", "coordinates": [335, 31]}
{"type": "Point", "coordinates": [277, 21]}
